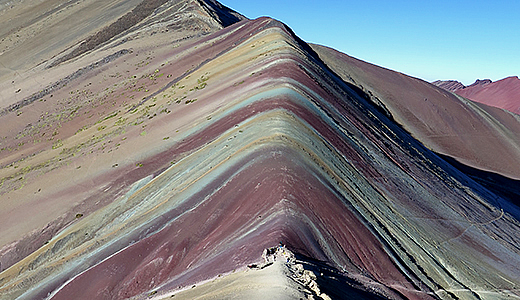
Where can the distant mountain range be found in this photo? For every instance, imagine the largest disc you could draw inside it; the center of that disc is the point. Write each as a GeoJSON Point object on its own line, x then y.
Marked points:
{"type": "Point", "coordinates": [504, 93]}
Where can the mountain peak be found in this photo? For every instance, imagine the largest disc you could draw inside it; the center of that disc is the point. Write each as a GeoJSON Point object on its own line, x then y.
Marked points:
{"type": "Point", "coordinates": [480, 82]}
{"type": "Point", "coordinates": [512, 78]}
{"type": "Point", "coordinates": [34, 41]}
{"type": "Point", "coordinates": [503, 93]}
{"type": "Point", "coordinates": [222, 14]}
{"type": "Point", "coordinates": [449, 85]}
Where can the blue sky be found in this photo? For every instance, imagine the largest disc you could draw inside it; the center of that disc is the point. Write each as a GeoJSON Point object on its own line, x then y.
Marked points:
{"type": "Point", "coordinates": [462, 40]}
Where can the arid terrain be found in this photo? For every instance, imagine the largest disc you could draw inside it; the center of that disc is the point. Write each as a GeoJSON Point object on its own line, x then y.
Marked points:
{"type": "Point", "coordinates": [155, 149]}
{"type": "Point", "coordinates": [504, 93]}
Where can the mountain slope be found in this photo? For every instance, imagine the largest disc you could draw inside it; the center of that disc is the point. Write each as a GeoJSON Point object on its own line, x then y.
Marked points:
{"type": "Point", "coordinates": [477, 135]}
{"type": "Point", "coordinates": [503, 93]}
{"type": "Point", "coordinates": [58, 31]}
{"type": "Point", "coordinates": [163, 163]}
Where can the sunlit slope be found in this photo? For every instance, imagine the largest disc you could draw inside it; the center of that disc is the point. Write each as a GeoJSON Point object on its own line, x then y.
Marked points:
{"type": "Point", "coordinates": [175, 162]}
{"type": "Point", "coordinates": [33, 32]}
{"type": "Point", "coordinates": [504, 93]}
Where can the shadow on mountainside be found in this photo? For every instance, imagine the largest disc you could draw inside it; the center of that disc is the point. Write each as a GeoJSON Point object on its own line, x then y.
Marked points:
{"type": "Point", "coordinates": [334, 282]}
{"type": "Point", "coordinates": [502, 186]}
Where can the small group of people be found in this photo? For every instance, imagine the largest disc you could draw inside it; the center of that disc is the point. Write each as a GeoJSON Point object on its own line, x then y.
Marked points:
{"type": "Point", "coordinates": [270, 254]}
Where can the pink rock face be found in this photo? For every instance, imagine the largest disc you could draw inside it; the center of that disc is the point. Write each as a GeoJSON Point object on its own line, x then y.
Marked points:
{"type": "Point", "coordinates": [197, 146]}
{"type": "Point", "coordinates": [504, 93]}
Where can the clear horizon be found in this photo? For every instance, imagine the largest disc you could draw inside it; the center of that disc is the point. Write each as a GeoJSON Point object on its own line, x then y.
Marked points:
{"type": "Point", "coordinates": [441, 40]}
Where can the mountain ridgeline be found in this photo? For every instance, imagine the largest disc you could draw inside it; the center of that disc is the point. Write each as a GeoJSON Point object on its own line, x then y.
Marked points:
{"type": "Point", "coordinates": [161, 150]}
{"type": "Point", "coordinates": [504, 93]}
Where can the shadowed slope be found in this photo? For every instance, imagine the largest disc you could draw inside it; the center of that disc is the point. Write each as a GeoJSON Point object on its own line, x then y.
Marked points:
{"type": "Point", "coordinates": [477, 135]}
{"type": "Point", "coordinates": [192, 157]}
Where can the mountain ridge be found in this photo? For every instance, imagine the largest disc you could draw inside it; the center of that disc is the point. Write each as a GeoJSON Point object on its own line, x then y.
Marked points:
{"type": "Point", "coordinates": [184, 158]}
{"type": "Point", "coordinates": [503, 93]}
{"type": "Point", "coordinates": [428, 114]}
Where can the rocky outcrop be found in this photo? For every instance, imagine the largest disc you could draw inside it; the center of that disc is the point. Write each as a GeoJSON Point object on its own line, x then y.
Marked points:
{"type": "Point", "coordinates": [449, 85]}
{"type": "Point", "coordinates": [480, 83]}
